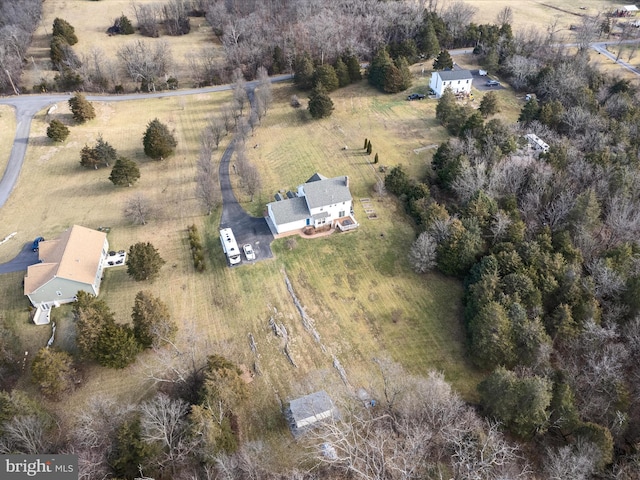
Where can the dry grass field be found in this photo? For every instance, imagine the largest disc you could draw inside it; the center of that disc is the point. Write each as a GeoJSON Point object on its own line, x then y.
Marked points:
{"type": "Point", "coordinates": [358, 287]}
{"type": "Point", "coordinates": [7, 131]}
{"type": "Point", "coordinates": [540, 13]}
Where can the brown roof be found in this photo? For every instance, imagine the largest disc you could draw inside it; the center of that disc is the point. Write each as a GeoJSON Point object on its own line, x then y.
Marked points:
{"type": "Point", "coordinates": [75, 255]}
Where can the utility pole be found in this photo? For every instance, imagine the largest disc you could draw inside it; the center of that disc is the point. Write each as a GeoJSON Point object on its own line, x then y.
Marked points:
{"type": "Point", "coordinates": [11, 81]}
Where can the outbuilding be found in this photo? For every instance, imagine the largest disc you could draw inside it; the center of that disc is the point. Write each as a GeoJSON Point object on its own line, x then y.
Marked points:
{"type": "Point", "coordinates": [306, 411]}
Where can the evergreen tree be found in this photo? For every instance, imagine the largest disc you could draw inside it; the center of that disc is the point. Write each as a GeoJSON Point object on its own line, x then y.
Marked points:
{"type": "Point", "coordinates": [353, 65]}
{"type": "Point", "coordinates": [378, 68]}
{"type": "Point", "coordinates": [473, 124]}
{"type": "Point", "coordinates": [81, 109]}
{"type": "Point", "coordinates": [325, 75]}
{"type": "Point", "coordinates": [447, 108]}
{"type": "Point", "coordinates": [369, 149]}
{"type": "Point", "coordinates": [124, 26]}
{"type": "Point", "coordinates": [130, 450]}
{"type": "Point", "coordinates": [158, 141]}
{"type": "Point", "coordinates": [279, 63]}
{"type": "Point", "coordinates": [57, 131]}
{"type": "Point", "coordinates": [53, 372]}
{"type": "Point", "coordinates": [405, 73]}
{"type": "Point", "coordinates": [392, 80]}
{"type": "Point", "coordinates": [397, 181]}
{"type": "Point", "coordinates": [430, 46]}
{"type": "Point", "coordinates": [303, 72]}
{"type": "Point", "coordinates": [144, 261]}
{"type": "Point", "coordinates": [152, 323]}
{"type": "Point", "coordinates": [125, 172]}
{"type": "Point", "coordinates": [91, 315]}
{"type": "Point", "coordinates": [529, 112]}
{"type": "Point", "coordinates": [62, 28]}
{"type": "Point", "coordinates": [376, 159]}
{"type": "Point", "coordinates": [320, 104]}
{"type": "Point", "coordinates": [116, 346]}
{"type": "Point", "coordinates": [100, 154]}
{"type": "Point", "coordinates": [342, 72]}
{"type": "Point", "coordinates": [443, 61]}
{"type": "Point", "coordinates": [366, 142]}
{"type": "Point", "coordinates": [519, 403]}
{"type": "Point", "coordinates": [88, 157]}
{"type": "Point", "coordinates": [58, 51]}
{"type": "Point", "coordinates": [489, 104]}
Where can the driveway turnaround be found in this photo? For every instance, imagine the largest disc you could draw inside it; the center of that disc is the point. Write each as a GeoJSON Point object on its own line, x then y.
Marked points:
{"type": "Point", "coordinates": [246, 229]}
{"type": "Point", "coordinates": [20, 263]}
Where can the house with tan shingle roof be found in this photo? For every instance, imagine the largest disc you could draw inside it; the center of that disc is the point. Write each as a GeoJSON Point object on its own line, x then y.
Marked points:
{"type": "Point", "coordinates": [70, 263]}
{"type": "Point", "coordinates": [319, 202]}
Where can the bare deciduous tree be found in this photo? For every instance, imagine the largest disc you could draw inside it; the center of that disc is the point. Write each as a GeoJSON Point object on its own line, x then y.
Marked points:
{"type": "Point", "coordinates": [422, 254]}
{"type": "Point", "coordinates": [146, 63]}
{"type": "Point", "coordinates": [577, 462]}
{"type": "Point", "coordinates": [163, 421]}
{"type": "Point", "coordinates": [24, 434]}
{"type": "Point", "coordinates": [263, 94]}
{"type": "Point", "coordinates": [207, 184]}
{"type": "Point", "coordinates": [148, 17]}
{"type": "Point", "coordinates": [251, 179]}
{"type": "Point", "coordinates": [138, 209]}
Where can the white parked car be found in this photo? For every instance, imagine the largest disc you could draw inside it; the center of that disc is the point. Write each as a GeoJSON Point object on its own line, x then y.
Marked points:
{"type": "Point", "coordinates": [248, 251]}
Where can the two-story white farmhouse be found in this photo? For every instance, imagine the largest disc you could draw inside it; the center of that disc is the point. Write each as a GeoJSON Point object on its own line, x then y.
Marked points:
{"type": "Point", "coordinates": [320, 201]}
{"type": "Point", "coordinates": [459, 81]}
{"type": "Point", "coordinates": [72, 262]}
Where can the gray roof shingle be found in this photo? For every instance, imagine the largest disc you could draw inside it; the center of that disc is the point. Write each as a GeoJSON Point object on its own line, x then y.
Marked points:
{"type": "Point", "coordinates": [289, 210]}
{"type": "Point", "coordinates": [327, 192]}
{"type": "Point", "coordinates": [447, 75]}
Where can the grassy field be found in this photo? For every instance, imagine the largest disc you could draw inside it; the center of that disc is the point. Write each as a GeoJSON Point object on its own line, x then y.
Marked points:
{"type": "Point", "coordinates": [358, 287]}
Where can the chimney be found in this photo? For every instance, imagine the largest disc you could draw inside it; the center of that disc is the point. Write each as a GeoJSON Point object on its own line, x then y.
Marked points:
{"type": "Point", "coordinates": [346, 181]}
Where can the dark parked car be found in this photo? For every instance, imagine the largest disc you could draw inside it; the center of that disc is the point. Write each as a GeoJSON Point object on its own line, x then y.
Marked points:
{"type": "Point", "coordinates": [36, 243]}
{"type": "Point", "coordinates": [492, 83]}
{"type": "Point", "coordinates": [416, 96]}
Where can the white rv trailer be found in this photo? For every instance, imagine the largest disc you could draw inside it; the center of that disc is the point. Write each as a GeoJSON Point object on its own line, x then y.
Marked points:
{"type": "Point", "coordinates": [229, 246]}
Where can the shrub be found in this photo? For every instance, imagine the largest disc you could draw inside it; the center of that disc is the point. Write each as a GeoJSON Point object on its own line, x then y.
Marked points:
{"type": "Point", "coordinates": [197, 252]}
{"type": "Point", "coordinates": [81, 109]}
{"type": "Point", "coordinates": [57, 131]}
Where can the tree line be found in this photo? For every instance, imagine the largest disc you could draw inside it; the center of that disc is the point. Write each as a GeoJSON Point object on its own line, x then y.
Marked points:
{"type": "Point", "coordinates": [546, 245]}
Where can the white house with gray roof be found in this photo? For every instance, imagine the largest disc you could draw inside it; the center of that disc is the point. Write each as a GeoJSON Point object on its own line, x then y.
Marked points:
{"type": "Point", "coordinates": [459, 81]}
{"type": "Point", "coordinates": [320, 201]}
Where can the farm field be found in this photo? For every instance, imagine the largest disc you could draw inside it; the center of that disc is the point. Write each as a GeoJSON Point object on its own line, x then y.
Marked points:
{"type": "Point", "coordinates": [358, 288]}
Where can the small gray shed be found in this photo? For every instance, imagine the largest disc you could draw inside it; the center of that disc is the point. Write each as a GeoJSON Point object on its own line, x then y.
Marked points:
{"type": "Point", "coordinates": [310, 409]}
